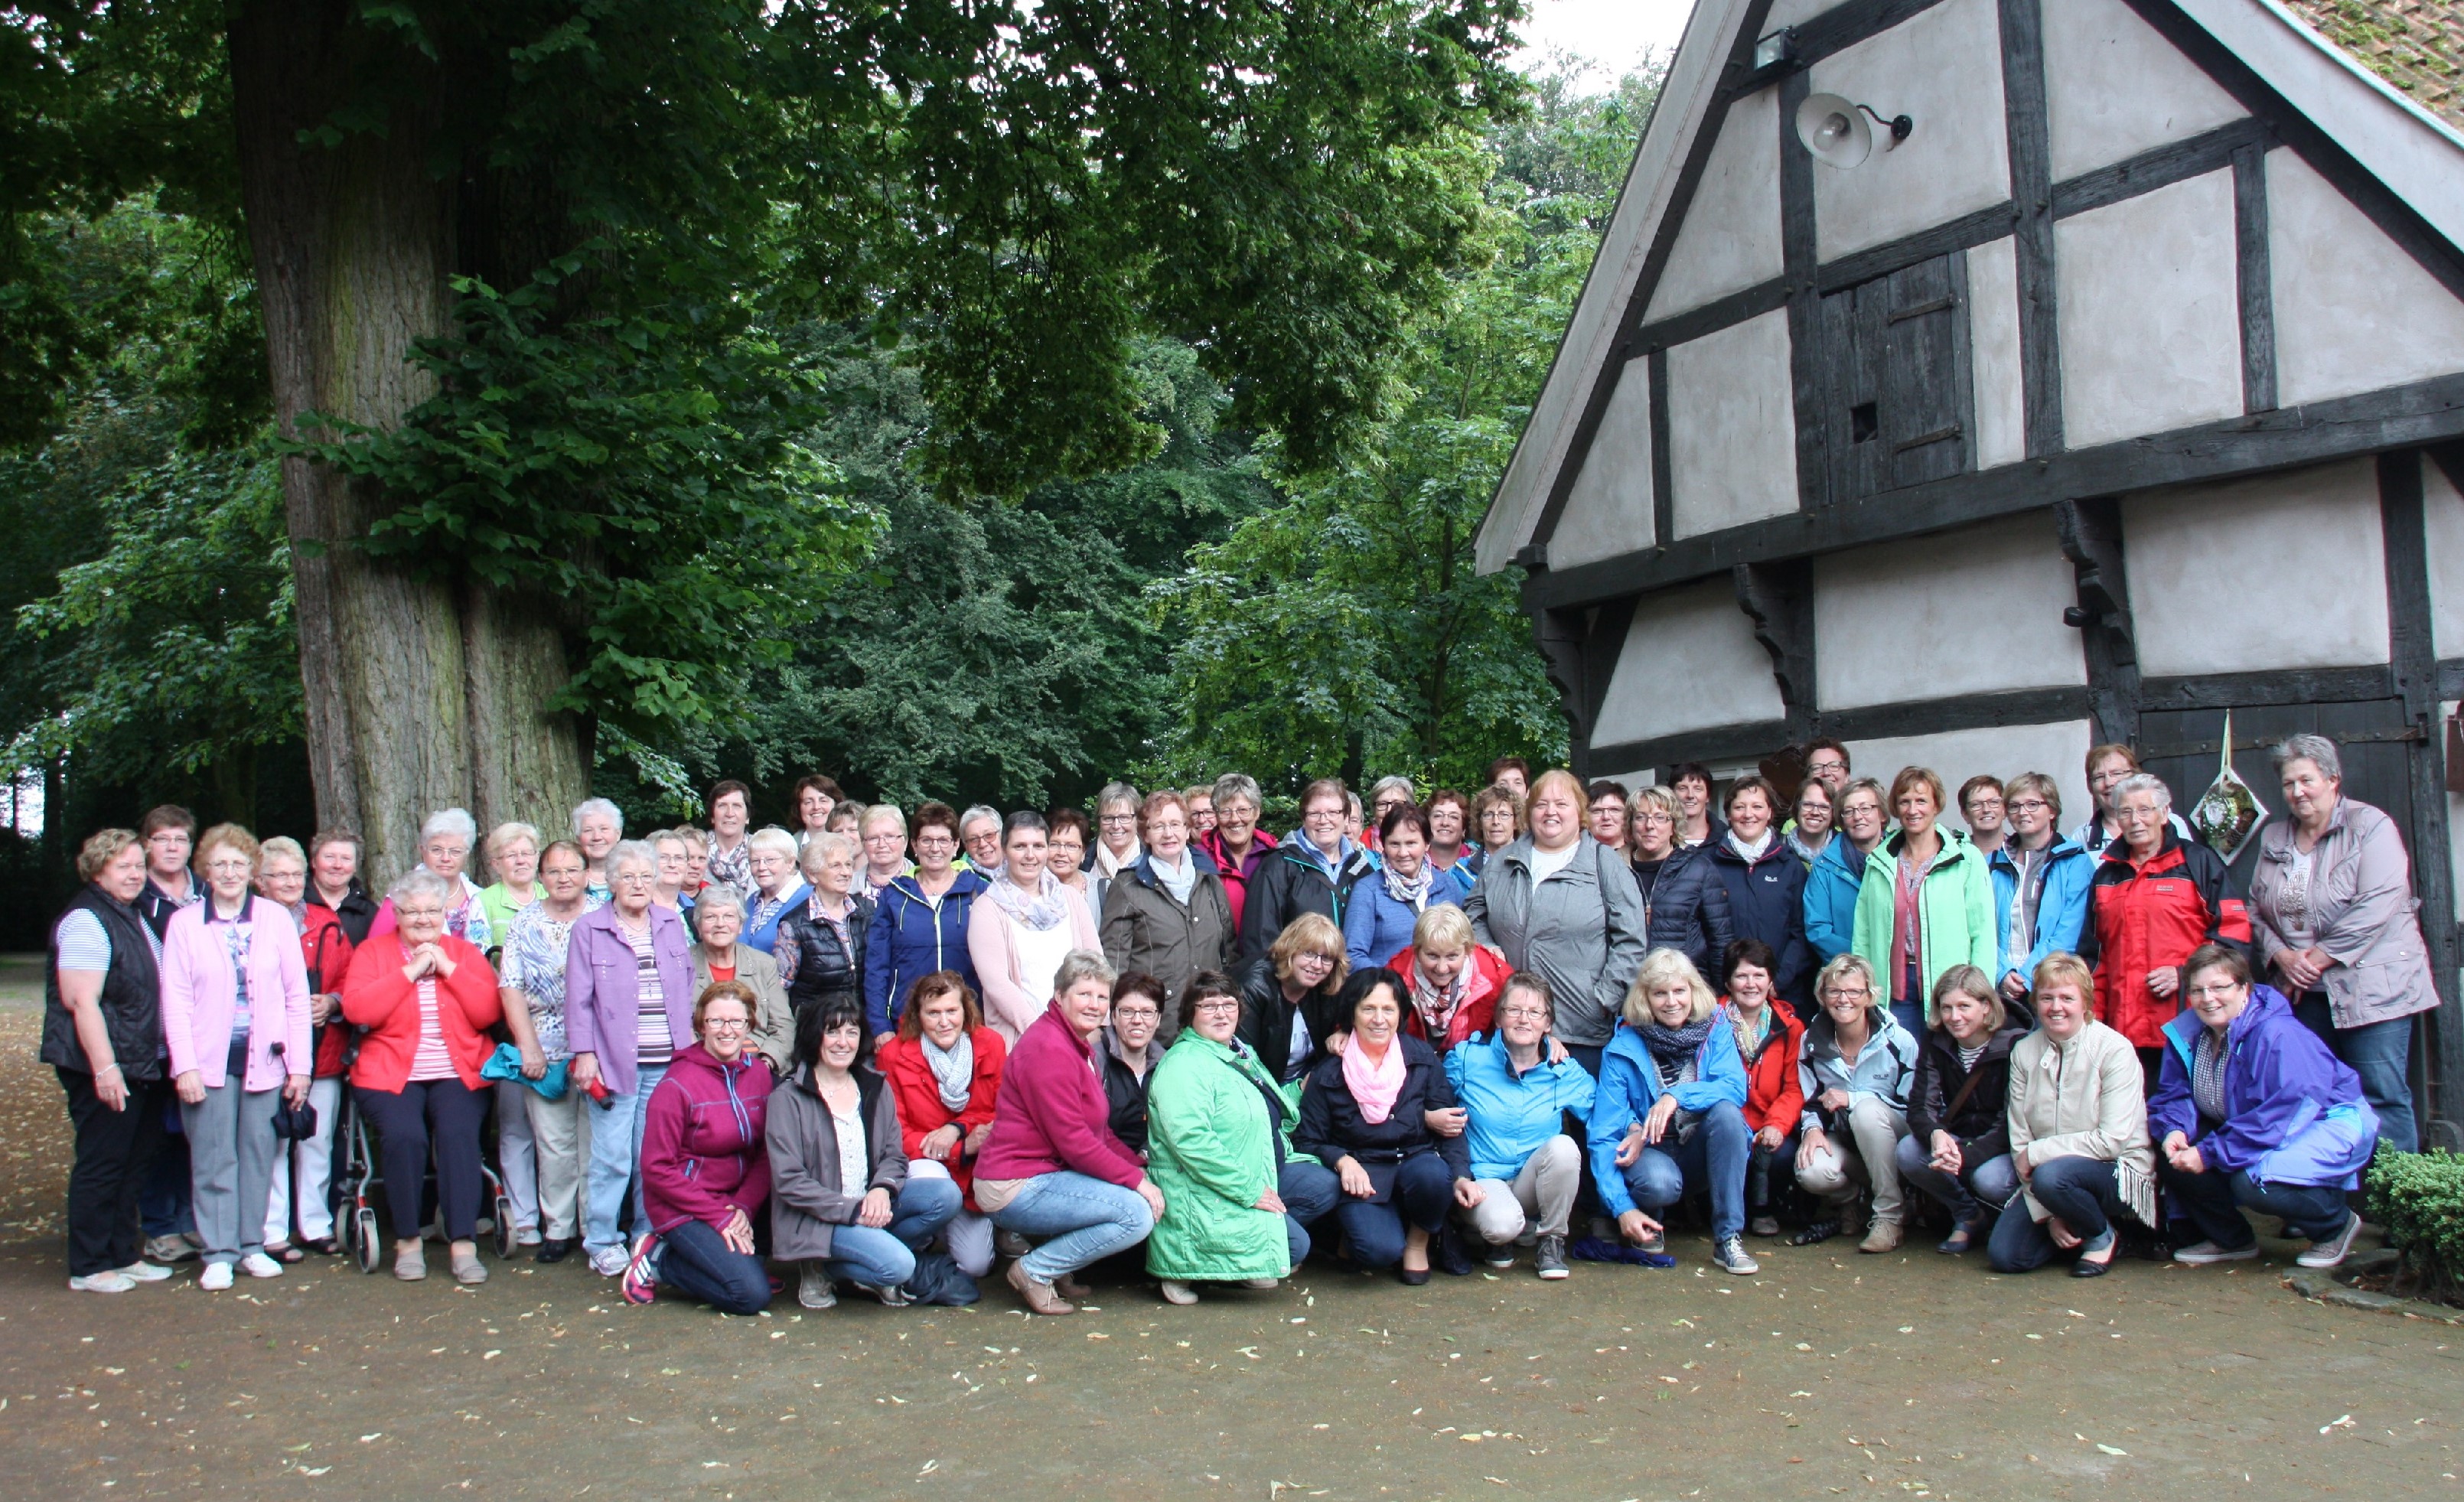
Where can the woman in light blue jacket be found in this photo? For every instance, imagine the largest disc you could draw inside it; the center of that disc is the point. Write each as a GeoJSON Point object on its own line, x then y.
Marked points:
{"type": "Point", "coordinates": [1838, 873]}
{"type": "Point", "coordinates": [1669, 1113]}
{"type": "Point", "coordinates": [1858, 1063]}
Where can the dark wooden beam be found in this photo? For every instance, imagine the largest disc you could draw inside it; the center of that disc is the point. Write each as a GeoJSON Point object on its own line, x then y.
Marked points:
{"type": "Point", "coordinates": [2031, 194]}
{"type": "Point", "coordinates": [1779, 599]}
{"type": "Point", "coordinates": [1842, 27]}
{"type": "Point", "coordinates": [2413, 656]}
{"type": "Point", "coordinates": [1941, 716]}
{"type": "Point", "coordinates": [2091, 539]}
{"type": "Point", "coordinates": [2451, 678]}
{"type": "Point", "coordinates": [1714, 316]}
{"type": "Point", "coordinates": [1983, 227]}
{"type": "Point", "coordinates": [1561, 636]}
{"type": "Point", "coordinates": [1663, 470]}
{"type": "Point", "coordinates": [1798, 256]}
{"type": "Point", "coordinates": [2162, 167]}
{"type": "Point", "coordinates": [2424, 412]}
{"type": "Point", "coordinates": [2253, 279]}
{"type": "Point", "coordinates": [2275, 686]}
{"type": "Point", "coordinates": [1719, 744]}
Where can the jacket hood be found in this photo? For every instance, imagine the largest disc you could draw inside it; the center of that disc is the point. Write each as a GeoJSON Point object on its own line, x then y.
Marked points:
{"type": "Point", "coordinates": [694, 1059]}
{"type": "Point", "coordinates": [969, 883]}
{"type": "Point", "coordinates": [1956, 846]}
{"type": "Point", "coordinates": [1721, 850]}
{"type": "Point", "coordinates": [1821, 1036]}
{"type": "Point", "coordinates": [2063, 848]}
{"type": "Point", "coordinates": [2018, 1020]}
{"type": "Point", "coordinates": [2266, 1003]}
{"type": "Point", "coordinates": [1143, 871]}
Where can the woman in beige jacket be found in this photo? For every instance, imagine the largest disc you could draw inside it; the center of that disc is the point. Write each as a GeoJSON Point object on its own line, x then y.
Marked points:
{"type": "Point", "coordinates": [2079, 1132]}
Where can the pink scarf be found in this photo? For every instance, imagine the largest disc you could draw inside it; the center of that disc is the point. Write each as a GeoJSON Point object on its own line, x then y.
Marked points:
{"type": "Point", "coordinates": [1374, 1086]}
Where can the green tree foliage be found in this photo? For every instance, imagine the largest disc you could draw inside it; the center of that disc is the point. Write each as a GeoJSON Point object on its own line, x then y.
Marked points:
{"type": "Point", "coordinates": [1345, 629]}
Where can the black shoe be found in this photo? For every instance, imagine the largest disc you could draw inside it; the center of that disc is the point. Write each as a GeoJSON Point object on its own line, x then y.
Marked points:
{"type": "Point", "coordinates": [1453, 1255]}
{"type": "Point", "coordinates": [1814, 1232]}
{"type": "Point", "coordinates": [1412, 1277]}
{"type": "Point", "coordinates": [553, 1249]}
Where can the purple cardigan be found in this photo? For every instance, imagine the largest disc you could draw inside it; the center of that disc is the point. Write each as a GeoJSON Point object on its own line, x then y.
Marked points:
{"type": "Point", "coordinates": [200, 990]}
{"type": "Point", "coordinates": [603, 994]}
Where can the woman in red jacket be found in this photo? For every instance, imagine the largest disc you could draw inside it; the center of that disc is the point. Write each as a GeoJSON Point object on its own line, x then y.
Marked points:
{"type": "Point", "coordinates": [2155, 897]}
{"type": "Point", "coordinates": [1770, 1040]}
{"type": "Point", "coordinates": [427, 999]}
{"type": "Point", "coordinates": [944, 1070]}
{"type": "Point", "coordinates": [1452, 983]}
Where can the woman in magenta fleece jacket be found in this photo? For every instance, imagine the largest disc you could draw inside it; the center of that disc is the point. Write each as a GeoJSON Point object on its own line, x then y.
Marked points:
{"type": "Point", "coordinates": [705, 1170]}
{"type": "Point", "coordinates": [1052, 1167]}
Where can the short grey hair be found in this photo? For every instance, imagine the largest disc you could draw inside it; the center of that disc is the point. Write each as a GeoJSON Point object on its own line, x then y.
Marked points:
{"type": "Point", "coordinates": [280, 845]}
{"type": "Point", "coordinates": [771, 837]}
{"type": "Point", "coordinates": [978, 811]}
{"type": "Point", "coordinates": [719, 895]}
{"type": "Point", "coordinates": [1380, 788]}
{"type": "Point", "coordinates": [421, 882]}
{"type": "Point", "coordinates": [451, 821]}
{"type": "Point", "coordinates": [881, 813]}
{"type": "Point", "coordinates": [822, 847]}
{"type": "Point", "coordinates": [1082, 964]}
{"type": "Point", "coordinates": [590, 805]}
{"type": "Point", "coordinates": [1116, 794]}
{"type": "Point", "coordinates": [2140, 782]}
{"type": "Point", "coordinates": [624, 851]}
{"type": "Point", "coordinates": [2310, 748]}
{"type": "Point", "coordinates": [1235, 785]}
{"type": "Point", "coordinates": [504, 834]}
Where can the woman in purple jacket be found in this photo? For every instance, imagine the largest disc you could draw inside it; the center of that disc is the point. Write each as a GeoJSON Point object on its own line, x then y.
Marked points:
{"type": "Point", "coordinates": [2252, 1111]}
{"type": "Point", "coordinates": [706, 1164]}
{"type": "Point", "coordinates": [627, 1009]}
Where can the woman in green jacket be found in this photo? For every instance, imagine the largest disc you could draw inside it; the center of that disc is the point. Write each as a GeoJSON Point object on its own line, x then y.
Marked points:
{"type": "Point", "coordinates": [1926, 903]}
{"type": "Point", "coordinates": [1214, 1145]}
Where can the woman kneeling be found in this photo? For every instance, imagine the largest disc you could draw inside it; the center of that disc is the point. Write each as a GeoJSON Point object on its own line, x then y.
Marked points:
{"type": "Point", "coordinates": [1215, 1143]}
{"type": "Point", "coordinates": [1958, 1147]}
{"type": "Point", "coordinates": [841, 1200]}
{"type": "Point", "coordinates": [2254, 1112]}
{"type": "Point", "coordinates": [2079, 1132]}
{"type": "Point", "coordinates": [1671, 1112]}
{"type": "Point", "coordinates": [705, 1167]}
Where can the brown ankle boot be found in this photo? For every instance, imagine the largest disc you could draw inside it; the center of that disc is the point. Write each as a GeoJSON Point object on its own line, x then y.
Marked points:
{"type": "Point", "coordinates": [1040, 1297]}
{"type": "Point", "coordinates": [1071, 1287]}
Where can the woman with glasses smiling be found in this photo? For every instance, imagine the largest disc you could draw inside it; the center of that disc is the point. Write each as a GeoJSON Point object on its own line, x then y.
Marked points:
{"type": "Point", "coordinates": [777, 885]}
{"type": "Point", "coordinates": [919, 924]}
{"type": "Point", "coordinates": [1220, 1141]}
{"type": "Point", "coordinates": [1288, 996]}
{"type": "Point", "coordinates": [2040, 883]}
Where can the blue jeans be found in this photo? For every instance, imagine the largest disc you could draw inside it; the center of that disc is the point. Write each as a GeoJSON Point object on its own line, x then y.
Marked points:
{"type": "Point", "coordinates": [2213, 1201]}
{"type": "Point", "coordinates": [1423, 1193]}
{"type": "Point", "coordinates": [884, 1256]}
{"type": "Point", "coordinates": [1086, 1219]}
{"type": "Point", "coordinates": [696, 1260]}
{"type": "Point", "coordinates": [1911, 1016]}
{"type": "Point", "coordinates": [609, 1198]}
{"type": "Point", "coordinates": [2381, 1053]}
{"type": "Point", "coordinates": [1976, 1193]}
{"type": "Point", "coordinates": [1713, 1159]}
{"type": "Point", "coordinates": [2083, 1192]}
{"type": "Point", "coordinates": [1309, 1191]}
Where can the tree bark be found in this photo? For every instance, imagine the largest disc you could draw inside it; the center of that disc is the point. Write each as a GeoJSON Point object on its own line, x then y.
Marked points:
{"type": "Point", "coordinates": [354, 246]}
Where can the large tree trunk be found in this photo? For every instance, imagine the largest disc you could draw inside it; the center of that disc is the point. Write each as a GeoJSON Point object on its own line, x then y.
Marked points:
{"type": "Point", "coordinates": [353, 247]}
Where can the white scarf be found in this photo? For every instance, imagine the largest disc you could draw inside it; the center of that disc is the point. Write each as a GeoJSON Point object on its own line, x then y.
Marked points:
{"type": "Point", "coordinates": [1752, 852]}
{"type": "Point", "coordinates": [954, 1069]}
{"type": "Point", "coordinates": [1179, 880]}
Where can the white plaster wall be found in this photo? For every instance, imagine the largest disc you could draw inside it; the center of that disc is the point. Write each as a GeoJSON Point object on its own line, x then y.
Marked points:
{"type": "Point", "coordinates": [2443, 514]}
{"type": "Point", "coordinates": [1789, 12]}
{"type": "Point", "coordinates": [1609, 509]}
{"type": "Point", "coordinates": [1690, 662]}
{"type": "Point", "coordinates": [1731, 426]}
{"type": "Point", "coordinates": [2353, 312]}
{"type": "Point", "coordinates": [1942, 68]}
{"type": "Point", "coordinates": [2149, 315]}
{"type": "Point", "coordinates": [1973, 611]}
{"type": "Point", "coordinates": [2058, 750]}
{"type": "Point", "coordinates": [2271, 571]}
{"type": "Point", "coordinates": [2114, 87]}
{"type": "Point", "coordinates": [1730, 237]}
{"type": "Point", "coordinates": [1993, 354]}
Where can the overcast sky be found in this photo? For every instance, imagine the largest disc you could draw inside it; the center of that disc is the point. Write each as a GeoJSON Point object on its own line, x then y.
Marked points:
{"type": "Point", "coordinates": [1616, 33]}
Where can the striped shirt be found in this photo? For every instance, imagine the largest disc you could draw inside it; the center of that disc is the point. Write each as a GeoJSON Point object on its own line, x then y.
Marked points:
{"type": "Point", "coordinates": [429, 1060]}
{"type": "Point", "coordinates": [657, 1045]}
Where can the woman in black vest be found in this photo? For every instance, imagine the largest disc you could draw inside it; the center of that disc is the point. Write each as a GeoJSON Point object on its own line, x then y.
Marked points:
{"type": "Point", "coordinates": [103, 1032]}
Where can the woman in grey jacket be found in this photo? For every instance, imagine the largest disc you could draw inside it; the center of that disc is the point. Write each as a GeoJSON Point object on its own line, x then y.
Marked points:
{"type": "Point", "coordinates": [2332, 912]}
{"type": "Point", "coordinates": [1562, 904]}
{"type": "Point", "coordinates": [841, 1201]}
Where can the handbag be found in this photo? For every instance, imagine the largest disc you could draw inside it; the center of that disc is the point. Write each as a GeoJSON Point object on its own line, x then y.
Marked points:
{"type": "Point", "coordinates": [506, 1063]}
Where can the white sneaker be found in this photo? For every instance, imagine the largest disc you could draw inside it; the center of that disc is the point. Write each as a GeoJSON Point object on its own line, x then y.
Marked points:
{"type": "Point", "coordinates": [105, 1282]}
{"type": "Point", "coordinates": [217, 1277]}
{"type": "Point", "coordinates": [1175, 1292]}
{"type": "Point", "coordinates": [1261, 1283]}
{"type": "Point", "coordinates": [258, 1265]}
{"type": "Point", "coordinates": [610, 1262]}
{"type": "Point", "coordinates": [2207, 1251]}
{"type": "Point", "coordinates": [813, 1287]}
{"type": "Point", "coordinates": [2331, 1252]}
{"type": "Point", "coordinates": [144, 1273]}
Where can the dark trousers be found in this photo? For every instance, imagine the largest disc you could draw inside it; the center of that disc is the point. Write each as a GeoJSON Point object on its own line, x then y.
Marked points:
{"type": "Point", "coordinates": [1766, 1165]}
{"type": "Point", "coordinates": [1423, 1193]}
{"type": "Point", "coordinates": [163, 1196]}
{"type": "Point", "coordinates": [695, 1260]}
{"type": "Point", "coordinates": [1309, 1191]}
{"type": "Point", "coordinates": [114, 1154]}
{"type": "Point", "coordinates": [2213, 1201]}
{"type": "Point", "coordinates": [2082, 1192]}
{"type": "Point", "coordinates": [443, 1112]}
{"type": "Point", "coordinates": [2381, 1053]}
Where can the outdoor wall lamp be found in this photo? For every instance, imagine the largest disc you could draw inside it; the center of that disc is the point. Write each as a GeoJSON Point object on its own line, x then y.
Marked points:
{"type": "Point", "coordinates": [1834, 129]}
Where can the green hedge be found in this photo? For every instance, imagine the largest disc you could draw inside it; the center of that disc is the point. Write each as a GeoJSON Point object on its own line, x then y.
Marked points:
{"type": "Point", "coordinates": [2419, 1198]}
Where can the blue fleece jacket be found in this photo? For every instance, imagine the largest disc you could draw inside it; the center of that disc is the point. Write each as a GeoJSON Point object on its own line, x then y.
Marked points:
{"type": "Point", "coordinates": [1831, 890]}
{"type": "Point", "coordinates": [1630, 1087]}
{"type": "Point", "coordinates": [1512, 1115]}
{"type": "Point", "coordinates": [2061, 905]}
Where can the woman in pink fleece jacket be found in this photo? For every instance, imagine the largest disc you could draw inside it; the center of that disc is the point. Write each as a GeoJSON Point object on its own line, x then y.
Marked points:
{"type": "Point", "coordinates": [1052, 1167]}
{"type": "Point", "coordinates": [236, 1019]}
{"type": "Point", "coordinates": [705, 1165]}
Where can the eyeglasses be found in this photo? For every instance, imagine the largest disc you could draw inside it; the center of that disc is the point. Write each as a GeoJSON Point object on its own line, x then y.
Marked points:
{"type": "Point", "coordinates": [1523, 1013]}
{"type": "Point", "coordinates": [1216, 1004]}
{"type": "Point", "coordinates": [2027, 805]}
{"type": "Point", "coordinates": [633, 877]}
{"type": "Point", "coordinates": [1850, 993]}
{"type": "Point", "coordinates": [1116, 819]}
{"type": "Point", "coordinates": [1139, 1013]}
{"type": "Point", "coordinates": [724, 1025]}
{"type": "Point", "coordinates": [935, 842]}
{"type": "Point", "coordinates": [1313, 958]}
{"type": "Point", "coordinates": [2216, 992]}
{"type": "Point", "coordinates": [1826, 767]}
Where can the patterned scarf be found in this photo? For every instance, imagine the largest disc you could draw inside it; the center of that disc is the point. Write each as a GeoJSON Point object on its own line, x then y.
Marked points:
{"type": "Point", "coordinates": [1040, 911]}
{"type": "Point", "coordinates": [1413, 894]}
{"type": "Point", "coordinates": [954, 1069]}
{"type": "Point", "coordinates": [1437, 1005]}
{"type": "Point", "coordinates": [1672, 1049]}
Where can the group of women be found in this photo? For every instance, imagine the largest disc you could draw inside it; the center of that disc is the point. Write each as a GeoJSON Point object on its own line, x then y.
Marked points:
{"type": "Point", "coordinates": [1412, 1037]}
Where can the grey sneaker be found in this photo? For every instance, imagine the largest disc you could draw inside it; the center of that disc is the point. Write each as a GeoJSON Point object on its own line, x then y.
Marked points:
{"type": "Point", "coordinates": [2332, 1251]}
{"type": "Point", "coordinates": [1653, 1241]}
{"type": "Point", "coordinates": [610, 1262]}
{"type": "Point", "coordinates": [1500, 1254]}
{"type": "Point", "coordinates": [1729, 1252]}
{"type": "Point", "coordinates": [2207, 1251]}
{"type": "Point", "coordinates": [1764, 1226]}
{"type": "Point", "coordinates": [170, 1249]}
{"type": "Point", "coordinates": [892, 1297]}
{"type": "Point", "coordinates": [813, 1287]}
{"type": "Point", "coordinates": [1549, 1258]}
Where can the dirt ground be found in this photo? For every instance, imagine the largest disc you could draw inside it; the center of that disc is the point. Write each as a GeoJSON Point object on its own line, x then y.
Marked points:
{"type": "Point", "coordinates": [1830, 1374]}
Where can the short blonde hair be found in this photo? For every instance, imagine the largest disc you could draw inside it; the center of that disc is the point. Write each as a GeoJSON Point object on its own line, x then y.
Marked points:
{"type": "Point", "coordinates": [881, 813]}
{"type": "Point", "coordinates": [504, 835]}
{"type": "Point", "coordinates": [1443, 925]}
{"type": "Point", "coordinates": [2062, 965]}
{"type": "Point", "coordinates": [1658, 969]}
{"type": "Point", "coordinates": [821, 847]}
{"type": "Point", "coordinates": [1311, 933]}
{"type": "Point", "coordinates": [280, 845]}
{"type": "Point", "coordinates": [771, 837]}
{"type": "Point", "coordinates": [100, 848]}
{"type": "Point", "coordinates": [1660, 795]}
{"type": "Point", "coordinates": [1846, 965]}
{"type": "Point", "coordinates": [1554, 777]}
{"type": "Point", "coordinates": [232, 835]}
